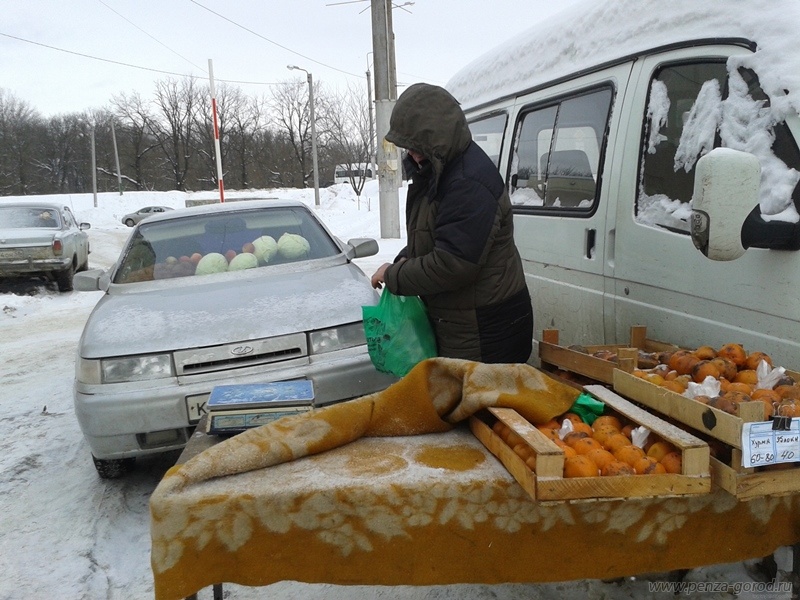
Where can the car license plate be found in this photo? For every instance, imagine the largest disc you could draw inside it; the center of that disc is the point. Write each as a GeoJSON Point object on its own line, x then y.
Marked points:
{"type": "Point", "coordinates": [196, 407]}
{"type": "Point", "coordinates": [11, 253]}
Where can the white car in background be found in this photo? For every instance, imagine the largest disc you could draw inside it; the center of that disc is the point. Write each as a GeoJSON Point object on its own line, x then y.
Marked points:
{"type": "Point", "coordinates": [242, 292]}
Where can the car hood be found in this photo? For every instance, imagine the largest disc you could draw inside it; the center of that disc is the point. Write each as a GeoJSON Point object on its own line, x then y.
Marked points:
{"type": "Point", "coordinates": [194, 312]}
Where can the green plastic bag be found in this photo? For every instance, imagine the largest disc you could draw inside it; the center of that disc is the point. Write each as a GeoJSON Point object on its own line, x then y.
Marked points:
{"type": "Point", "coordinates": [399, 334]}
{"type": "Point", "coordinates": [588, 408]}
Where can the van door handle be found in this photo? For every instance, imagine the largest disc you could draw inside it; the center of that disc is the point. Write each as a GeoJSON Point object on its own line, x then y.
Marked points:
{"type": "Point", "coordinates": [591, 234]}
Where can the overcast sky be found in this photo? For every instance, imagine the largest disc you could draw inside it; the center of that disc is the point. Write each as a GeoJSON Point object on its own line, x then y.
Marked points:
{"type": "Point", "coordinates": [248, 41]}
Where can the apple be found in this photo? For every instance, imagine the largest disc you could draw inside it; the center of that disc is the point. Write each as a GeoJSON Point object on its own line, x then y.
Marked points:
{"type": "Point", "coordinates": [249, 248]}
{"type": "Point", "coordinates": [195, 258]}
{"type": "Point", "coordinates": [184, 259]}
{"type": "Point", "coordinates": [230, 255]}
{"type": "Point", "coordinates": [171, 260]}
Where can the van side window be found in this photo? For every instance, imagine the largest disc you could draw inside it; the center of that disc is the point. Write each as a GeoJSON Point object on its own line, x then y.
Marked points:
{"type": "Point", "coordinates": [695, 107]}
{"type": "Point", "coordinates": [682, 122]}
{"type": "Point", "coordinates": [487, 132]}
{"type": "Point", "coordinates": [557, 151]}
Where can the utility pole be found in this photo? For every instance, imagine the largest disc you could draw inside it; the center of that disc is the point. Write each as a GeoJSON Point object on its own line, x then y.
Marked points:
{"type": "Point", "coordinates": [388, 165]}
{"type": "Point", "coordinates": [116, 157]}
{"type": "Point", "coordinates": [371, 125]}
{"type": "Point", "coordinates": [94, 170]}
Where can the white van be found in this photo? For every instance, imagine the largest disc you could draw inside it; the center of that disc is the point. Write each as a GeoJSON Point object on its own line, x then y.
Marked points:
{"type": "Point", "coordinates": [597, 119]}
{"type": "Point", "coordinates": [352, 172]}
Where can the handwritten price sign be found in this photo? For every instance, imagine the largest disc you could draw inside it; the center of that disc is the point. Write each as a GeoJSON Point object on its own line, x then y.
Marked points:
{"type": "Point", "coordinates": [763, 445]}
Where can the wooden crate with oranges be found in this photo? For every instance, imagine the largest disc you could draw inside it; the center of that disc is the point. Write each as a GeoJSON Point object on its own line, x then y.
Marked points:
{"type": "Point", "coordinates": [597, 461]}
{"type": "Point", "coordinates": [590, 364]}
{"type": "Point", "coordinates": [720, 417]}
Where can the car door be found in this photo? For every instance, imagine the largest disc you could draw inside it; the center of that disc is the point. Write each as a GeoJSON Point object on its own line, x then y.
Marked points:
{"type": "Point", "coordinates": [560, 150]}
{"type": "Point", "coordinates": [661, 281]}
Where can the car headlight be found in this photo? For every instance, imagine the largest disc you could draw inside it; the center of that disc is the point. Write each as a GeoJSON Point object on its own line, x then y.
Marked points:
{"type": "Point", "coordinates": [130, 368]}
{"type": "Point", "coordinates": [337, 338]}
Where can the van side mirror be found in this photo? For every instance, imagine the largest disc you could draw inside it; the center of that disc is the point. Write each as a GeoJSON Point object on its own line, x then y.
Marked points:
{"type": "Point", "coordinates": [726, 187]}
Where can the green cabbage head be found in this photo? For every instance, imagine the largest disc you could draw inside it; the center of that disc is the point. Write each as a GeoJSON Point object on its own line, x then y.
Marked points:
{"type": "Point", "coordinates": [265, 248]}
{"type": "Point", "coordinates": [242, 261]}
{"type": "Point", "coordinates": [293, 246]}
{"type": "Point", "coordinates": [213, 262]}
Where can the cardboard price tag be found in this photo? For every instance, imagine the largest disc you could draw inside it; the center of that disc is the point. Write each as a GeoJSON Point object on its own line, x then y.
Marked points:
{"type": "Point", "coordinates": [770, 442]}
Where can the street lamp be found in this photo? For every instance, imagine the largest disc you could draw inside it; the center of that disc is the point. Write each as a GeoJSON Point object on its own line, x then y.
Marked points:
{"type": "Point", "coordinates": [313, 129]}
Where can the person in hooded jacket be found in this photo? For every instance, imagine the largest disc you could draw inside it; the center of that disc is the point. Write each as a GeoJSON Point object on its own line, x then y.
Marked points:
{"type": "Point", "coordinates": [460, 257]}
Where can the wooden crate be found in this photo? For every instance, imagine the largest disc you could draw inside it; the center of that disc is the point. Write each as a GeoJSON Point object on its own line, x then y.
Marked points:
{"type": "Point", "coordinates": [717, 425]}
{"type": "Point", "coordinates": [547, 481]}
{"type": "Point", "coordinates": [553, 356]}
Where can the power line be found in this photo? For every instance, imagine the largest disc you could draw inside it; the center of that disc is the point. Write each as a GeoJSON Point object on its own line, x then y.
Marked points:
{"type": "Point", "coordinates": [273, 42]}
{"type": "Point", "coordinates": [120, 15]}
{"type": "Point", "coordinates": [116, 62]}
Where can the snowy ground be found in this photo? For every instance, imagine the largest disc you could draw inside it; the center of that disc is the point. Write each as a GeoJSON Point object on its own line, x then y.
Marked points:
{"type": "Point", "coordinates": [66, 534]}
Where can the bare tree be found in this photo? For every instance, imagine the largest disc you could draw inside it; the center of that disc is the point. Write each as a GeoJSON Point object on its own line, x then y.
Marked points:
{"type": "Point", "coordinates": [292, 118]}
{"type": "Point", "coordinates": [18, 124]}
{"type": "Point", "coordinates": [349, 134]}
{"type": "Point", "coordinates": [173, 125]}
{"type": "Point", "coordinates": [135, 137]}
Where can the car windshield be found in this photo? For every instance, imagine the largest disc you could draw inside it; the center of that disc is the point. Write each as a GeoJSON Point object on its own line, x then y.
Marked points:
{"type": "Point", "coordinates": [27, 217]}
{"type": "Point", "coordinates": [220, 242]}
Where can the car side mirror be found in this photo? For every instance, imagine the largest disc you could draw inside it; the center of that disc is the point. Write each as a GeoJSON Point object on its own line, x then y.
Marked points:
{"type": "Point", "coordinates": [726, 188]}
{"type": "Point", "coordinates": [83, 226]}
{"type": "Point", "coordinates": [91, 280]}
{"type": "Point", "coordinates": [361, 247]}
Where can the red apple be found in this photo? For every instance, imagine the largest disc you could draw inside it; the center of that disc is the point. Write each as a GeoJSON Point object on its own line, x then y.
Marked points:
{"type": "Point", "coordinates": [184, 259]}
{"type": "Point", "coordinates": [230, 255]}
{"type": "Point", "coordinates": [196, 257]}
{"type": "Point", "coordinates": [249, 247]}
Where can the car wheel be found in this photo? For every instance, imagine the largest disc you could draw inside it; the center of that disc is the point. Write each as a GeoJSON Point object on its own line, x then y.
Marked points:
{"type": "Point", "coordinates": [64, 279]}
{"type": "Point", "coordinates": [112, 468]}
{"type": "Point", "coordinates": [129, 222]}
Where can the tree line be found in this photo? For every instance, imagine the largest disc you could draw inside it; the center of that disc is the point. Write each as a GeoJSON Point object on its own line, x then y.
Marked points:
{"type": "Point", "coordinates": [167, 142]}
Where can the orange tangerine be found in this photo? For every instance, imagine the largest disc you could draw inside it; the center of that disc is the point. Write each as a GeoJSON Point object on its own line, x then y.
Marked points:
{"type": "Point", "coordinates": [585, 445]}
{"type": "Point", "coordinates": [738, 386]}
{"type": "Point", "coordinates": [604, 420]}
{"type": "Point", "coordinates": [585, 427]}
{"type": "Point", "coordinates": [549, 433]}
{"type": "Point", "coordinates": [703, 369]}
{"type": "Point", "coordinates": [603, 433]}
{"type": "Point", "coordinates": [523, 450]}
{"type": "Point", "coordinates": [660, 449]}
{"type": "Point", "coordinates": [748, 376]}
{"type": "Point", "coordinates": [574, 436]}
{"type": "Point", "coordinates": [629, 454]}
{"type": "Point", "coordinates": [551, 424]}
{"type": "Point", "coordinates": [579, 466]}
{"type": "Point", "coordinates": [705, 353]}
{"type": "Point", "coordinates": [499, 428]}
{"type": "Point", "coordinates": [600, 457]}
{"type": "Point", "coordinates": [617, 467]}
{"type": "Point", "coordinates": [674, 386]}
{"type": "Point", "coordinates": [734, 352]}
{"type": "Point", "coordinates": [672, 462]}
{"type": "Point", "coordinates": [626, 431]}
{"type": "Point", "coordinates": [575, 418]}
{"type": "Point", "coordinates": [727, 368]}
{"type": "Point", "coordinates": [754, 359]}
{"type": "Point", "coordinates": [531, 462]}
{"type": "Point", "coordinates": [647, 465]}
{"type": "Point", "coordinates": [616, 441]}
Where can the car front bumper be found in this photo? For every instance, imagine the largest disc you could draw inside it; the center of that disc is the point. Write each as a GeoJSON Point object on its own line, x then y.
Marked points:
{"type": "Point", "coordinates": [111, 416]}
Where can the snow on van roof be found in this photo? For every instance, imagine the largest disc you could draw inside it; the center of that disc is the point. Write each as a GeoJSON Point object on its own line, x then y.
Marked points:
{"type": "Point", "coordinates": [592, 32]}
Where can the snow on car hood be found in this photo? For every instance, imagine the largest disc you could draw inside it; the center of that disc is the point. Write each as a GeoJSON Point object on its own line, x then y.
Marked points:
{"type": "Point", "coordinates": [193, 313]}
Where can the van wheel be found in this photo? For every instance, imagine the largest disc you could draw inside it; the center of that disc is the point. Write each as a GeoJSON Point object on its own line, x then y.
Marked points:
{"type": "Point", "coordinates": [112, 468]}
{"type": "Point", "coordinates": [64, 278]}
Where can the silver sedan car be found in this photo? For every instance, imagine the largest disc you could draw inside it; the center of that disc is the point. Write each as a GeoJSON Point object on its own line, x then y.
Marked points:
{"type": "Point", "coordinates": [133, 218]}
{"type": "Point", "coordinates": [42, 239]}
{"type": "Point", "coordinates": [241, 292]}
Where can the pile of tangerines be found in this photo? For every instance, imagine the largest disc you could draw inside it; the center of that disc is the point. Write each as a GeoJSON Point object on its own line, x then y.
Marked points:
{"type": "Point", "coordinates": [736, 371]}
{"type": "Point", "coordinates": [601, 449]}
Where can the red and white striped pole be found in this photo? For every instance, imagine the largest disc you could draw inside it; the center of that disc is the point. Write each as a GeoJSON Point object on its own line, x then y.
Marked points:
{"type": "Point", "coordinates": [216, 130]}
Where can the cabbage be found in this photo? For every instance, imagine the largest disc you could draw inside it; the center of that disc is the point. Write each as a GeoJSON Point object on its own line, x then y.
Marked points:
{"type": "Point", "coordinates": [213, 262]}
{"type": "Point", "coordinates": [265, 248]}
{"type": "Point", "coordinates": [293, 246]}
{"type": "Point", "coordinates": [245, 260]}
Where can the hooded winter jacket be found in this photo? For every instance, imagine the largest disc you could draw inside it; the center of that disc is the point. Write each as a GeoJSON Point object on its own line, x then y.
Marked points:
{"type": "Point", "coordinates": [460, 258]}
